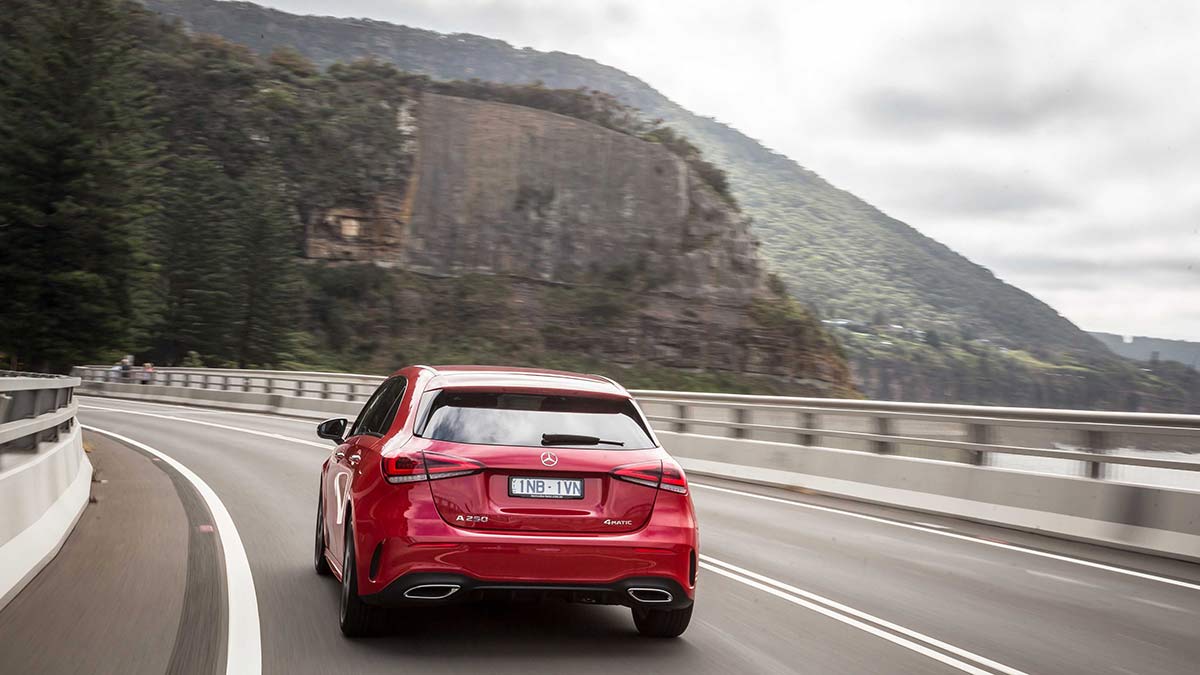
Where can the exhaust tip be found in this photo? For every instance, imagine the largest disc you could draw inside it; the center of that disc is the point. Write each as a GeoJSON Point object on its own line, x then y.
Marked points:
{"type": "Point", "coordinates": [431, 591]}
{"type": "Point", "coordinates": [650, 595]}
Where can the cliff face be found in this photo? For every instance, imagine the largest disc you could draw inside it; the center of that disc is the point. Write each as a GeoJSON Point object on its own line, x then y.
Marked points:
{"type": "Point", "coordinates": [597, 243]}
{"type": "Point", "coordinates": [504, 189]}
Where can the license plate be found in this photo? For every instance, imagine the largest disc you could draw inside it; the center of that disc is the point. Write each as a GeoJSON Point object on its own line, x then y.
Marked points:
{"type": "Point", "coordinates": [545, 488]}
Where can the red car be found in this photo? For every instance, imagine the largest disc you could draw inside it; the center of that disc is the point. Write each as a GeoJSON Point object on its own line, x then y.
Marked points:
{"type": "Point", "coordinates": [461, 483]}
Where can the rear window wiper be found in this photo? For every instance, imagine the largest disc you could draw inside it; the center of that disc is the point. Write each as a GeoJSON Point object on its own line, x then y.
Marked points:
{"type": "Point", "coordinates": [576, 439]}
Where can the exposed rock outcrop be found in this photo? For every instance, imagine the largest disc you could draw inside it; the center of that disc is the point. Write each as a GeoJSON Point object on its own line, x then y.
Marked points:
{"type": "Point", "coordinates": [545, 204]}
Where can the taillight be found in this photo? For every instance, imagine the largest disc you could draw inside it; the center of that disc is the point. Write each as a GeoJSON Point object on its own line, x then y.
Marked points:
{"type": "Point", "coordinates": [427, 466]}
{"type": "Point", "coordinates": [673, 479]}
{"type": "Point", "coordinates": [665, 475]}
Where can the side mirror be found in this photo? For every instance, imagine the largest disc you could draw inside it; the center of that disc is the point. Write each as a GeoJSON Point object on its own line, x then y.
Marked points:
{"type": "Point", "coordinates": [334, 429]}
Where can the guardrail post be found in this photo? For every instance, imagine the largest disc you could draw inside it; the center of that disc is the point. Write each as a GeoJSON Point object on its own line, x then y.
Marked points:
{"type": "Point", "coordinates": [224, 383]}
{"type": "Point", "coordinates": [22, 406]}
{"type": "Point", "coordinates": [808, 420]}
{"type": "Point", "coordinates": [1097, 442]}
{"type": "Point", "coordinates": [883, 427]}
{"type": "Point", "coordinates": [270, 386]}
{"type": "Point", "coordinates": [740, 416]}
{"type": "Point", "coordinates": [47, 401]}
{"type": "Point", "coordinates": [980, 434]}
{"type": "Point", "coordinates": [299, 388]}
{"type": "Point", "coordinates": [325, 389]}
{"type": "Point", "coordinates": [681, 413]}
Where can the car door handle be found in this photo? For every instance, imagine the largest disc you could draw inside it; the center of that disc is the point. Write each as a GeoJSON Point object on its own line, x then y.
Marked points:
{"type": "Point", "coordinates": [354, 459]}
{"type": "Point", "coordinates": [339, 454]}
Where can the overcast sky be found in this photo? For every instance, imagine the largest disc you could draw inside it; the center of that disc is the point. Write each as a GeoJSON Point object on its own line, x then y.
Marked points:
{"type": "Point", "coordinates": [1057, 143]}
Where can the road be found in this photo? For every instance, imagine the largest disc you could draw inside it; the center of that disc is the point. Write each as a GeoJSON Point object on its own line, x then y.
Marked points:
{"type": "Point", "coordinates": [790, 582]}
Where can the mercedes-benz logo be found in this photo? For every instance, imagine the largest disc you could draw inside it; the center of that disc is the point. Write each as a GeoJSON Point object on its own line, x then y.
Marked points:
{"type": "Point", "coordinates": [549, 458]}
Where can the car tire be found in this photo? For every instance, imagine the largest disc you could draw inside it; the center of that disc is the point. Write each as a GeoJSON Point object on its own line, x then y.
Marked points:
{"type": "Point", "coordinates": [319, 561]}
{"type": "Point", "coordinates": [355, 615]}
{"type": "Point", "coordinates": [662, 623]}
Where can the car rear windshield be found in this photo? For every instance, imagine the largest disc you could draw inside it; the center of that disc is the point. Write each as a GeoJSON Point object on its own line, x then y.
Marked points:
{"type": "Point", "coordinates": [487, 418]}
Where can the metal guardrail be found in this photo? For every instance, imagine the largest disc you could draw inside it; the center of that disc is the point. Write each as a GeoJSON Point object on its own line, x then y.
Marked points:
{"type": "Point", "coordinates": [34, 408]}
{"type": "Point", "coordinates": [334, 386]}
{"type": "Point", "coordinates": [974, 432]}
{"type": "Point", "coordinates": [1095, 432]}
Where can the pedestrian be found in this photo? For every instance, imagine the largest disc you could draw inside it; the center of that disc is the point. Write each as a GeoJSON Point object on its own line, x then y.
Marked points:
{"type": "Point", "coordinates": [147, 372]}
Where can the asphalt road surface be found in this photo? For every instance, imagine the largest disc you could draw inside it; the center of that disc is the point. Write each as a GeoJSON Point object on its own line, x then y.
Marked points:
{"type": "Point", "coordinates": [149, 582]}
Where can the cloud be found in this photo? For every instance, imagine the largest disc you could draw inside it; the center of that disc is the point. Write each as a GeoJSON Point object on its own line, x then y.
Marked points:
{"type": "Point", "coordinates": [986, 103]}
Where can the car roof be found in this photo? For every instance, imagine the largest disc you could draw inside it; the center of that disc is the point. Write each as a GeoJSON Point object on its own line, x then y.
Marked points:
{"type": "Point", "coordinates": [505, 377]}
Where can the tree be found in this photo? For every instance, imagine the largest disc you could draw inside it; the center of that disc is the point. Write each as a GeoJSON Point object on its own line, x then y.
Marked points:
{"type": "Point", "coordinates": [933, 339]}
{"type": "Point", "coordinates": [267, 263]}
{"type": "Point", "coordinates": [200, 255]}
{"type": "Point", "coordinates": [78, 184]}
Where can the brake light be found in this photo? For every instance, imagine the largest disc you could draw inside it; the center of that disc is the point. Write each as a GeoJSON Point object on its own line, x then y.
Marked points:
{"type": "Point", "coordinates": [421, 466]}
{"type": "Point", "coordinates": [673, 479]}
{"type": "Point", "coordinates": [664, 475]}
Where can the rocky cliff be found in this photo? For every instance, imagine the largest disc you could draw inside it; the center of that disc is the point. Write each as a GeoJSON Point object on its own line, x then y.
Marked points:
{"type": "Point", "coordinates": [564, 237]}
{"type": "Point", "coordinates": [505, 189]}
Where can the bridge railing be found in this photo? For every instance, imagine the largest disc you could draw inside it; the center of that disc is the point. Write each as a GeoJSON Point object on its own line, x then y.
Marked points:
{"type": "Point", "coordinates": [45, 478]}
{"type": "Point", "coordinates": [332, 386]}
{"type": "Point", "coordinates": [34, 408]}
{"type": "Point", "coordinates": [1122, 479]}
{"type": "Point", "coordinates": [1084, 440]}
{"type": "Point", "coordinates": [974, 434]}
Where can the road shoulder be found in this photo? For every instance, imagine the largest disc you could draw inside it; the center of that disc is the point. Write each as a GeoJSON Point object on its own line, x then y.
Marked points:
{"type": "Point", "coordinates": [112, 599]}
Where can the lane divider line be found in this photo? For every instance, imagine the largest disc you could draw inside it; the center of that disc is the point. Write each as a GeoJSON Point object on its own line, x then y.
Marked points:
{"type": "Point", "coordinates": [255, 432]}
{"type": "Point", "coordinates": [962, 537]}
{"type": "Point", "coordinates": [243, 638]}
{"type": "Point", "coordinates": [733, 571]}
{"type": "Point", "coordinates": [850, 621]}
{"type": "Point", "coordinates": [1059, 578]}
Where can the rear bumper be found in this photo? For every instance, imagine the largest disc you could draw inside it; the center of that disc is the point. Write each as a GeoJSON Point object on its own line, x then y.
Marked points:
{"type": "Point", "coordinates": [432, 588]}
{"type": "Point", "coordinates": [397, 539]}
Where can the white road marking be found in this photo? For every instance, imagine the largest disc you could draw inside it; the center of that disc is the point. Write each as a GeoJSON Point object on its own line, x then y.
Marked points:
{"type": "Point", "coordinates": [243, 638]}
{"type": "Point", "coordinates": [961, 537]}
{"type": "Point", "coordinates": [1055, 577]}
{"type": "Point", "coordinates": [1161, 605]}
{"type": "Point", "coordinates": [933, 525]}
{"type": "Point", "coordinates": [909, 639]}
{"type": "Point", "coordinates": [255, 432]}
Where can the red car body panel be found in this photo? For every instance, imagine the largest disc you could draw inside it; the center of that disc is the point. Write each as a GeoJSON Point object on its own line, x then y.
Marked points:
{"type": "Point", "coordinates": [439, 526]}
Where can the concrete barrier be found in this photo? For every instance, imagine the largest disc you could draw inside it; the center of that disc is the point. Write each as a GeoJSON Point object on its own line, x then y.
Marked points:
{"type": "Point", "coordinates": [1161, 521]}
{"type": "Point", "coordinates": [44, 492]}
